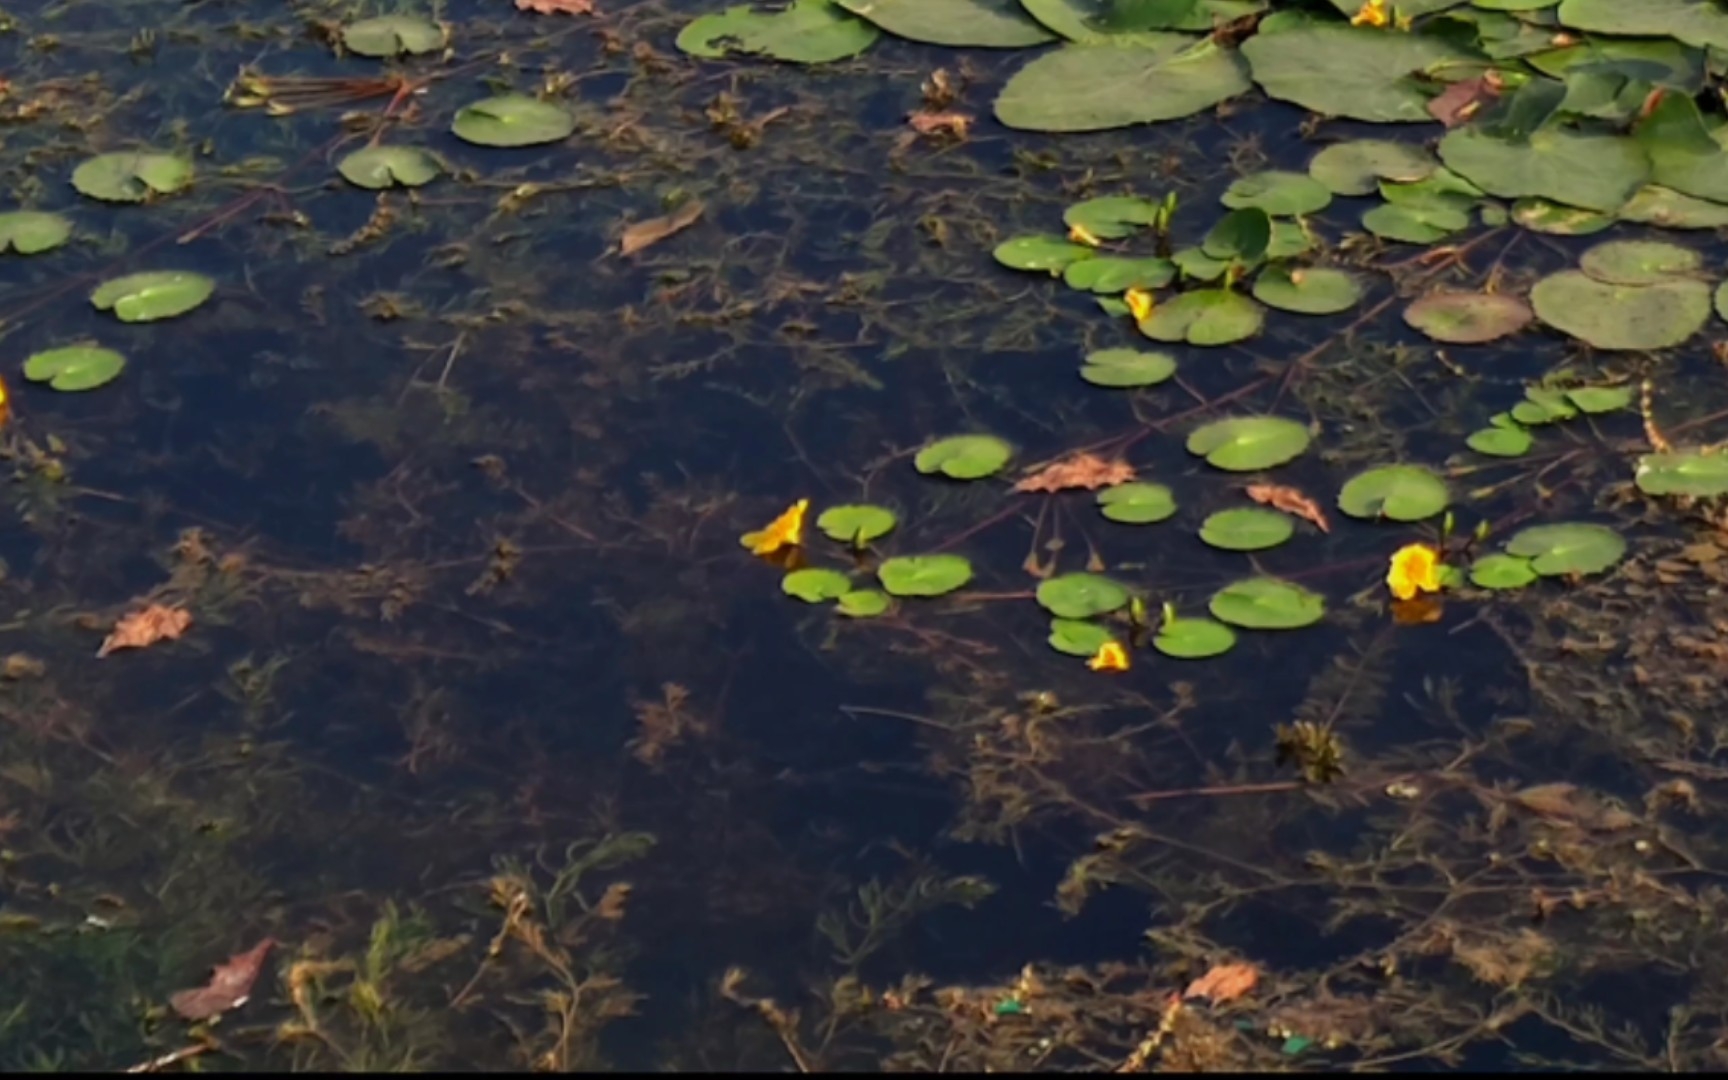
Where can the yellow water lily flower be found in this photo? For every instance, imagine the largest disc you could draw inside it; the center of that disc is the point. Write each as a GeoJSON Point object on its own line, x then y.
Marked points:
{"type": "Point", "coordinates": [1140, 303]}
{"type": "Point", "coordinates": [785, 531]}
{"type": "Point", "coordinates": [1111, 656]}
{"type": "Point", "coordinates": [1080, 234]}
{"type": "Point", "coordinates": [1372, 13]}
{"type": "Point", "coordinates": [1415, 570]}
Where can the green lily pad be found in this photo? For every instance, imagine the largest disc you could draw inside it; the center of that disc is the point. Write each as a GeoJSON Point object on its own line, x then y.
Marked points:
{"type": "Point", "coordinates": [1196, 265]}
{"type": "Point", "coordinates": [1241, 235]}
{"type": "Point", "coordinates": [1112, 217]}
{"type": "Point", "coordinates": [1595, 172]}
{"type": "Point", "coordinates": [1127, 368]}
{"type": "Point", "coordinates": [1507, 441]}
{"type": "Point", "coordinates": [863, 604]}
{"type": "Point", "coordinates": [1114, 274]}
{"type": "Point", "coordinates": [1043, 252]}
{"type": "Point", "coordinates": [378, 167]}
{"type": "Point", "coordinates": [924, 575]}
{"type": "Point", "coordinates": [1094, 87]}
{"type": "Point", "coordinates": [1193, 639]}
{"type": "Point", "coordinates": [1249, 443]}
{"type": "Point", "coordinates": [1639, 262]}
{"type": "Point", "coordinates": [1501, 572]}
{"type": "Point", "coordinates": [816, 585]}
{"type": "Point", "coordinates": [1571, 548]}
{"type": "Point", "coordinates": [74, 367]}
{"type": "Point", "coordinates": [131, 176]}
{"type": "Point", "coordinates": [146, 297]}
{"type": "Point", "coordinates": [964, 457]}
{"type": "Point", "coordinates": [392, 35]}
{"type": "Point", "coordinates": [1416, 222]}
{"type": "Point", "coordinates": [1205, 317]}
{"type": "Point", "coordinates": [1289, 239]}
{"type": "Point", "coordinates": [1656, 205]}
{"type": "Point", "coordinates": [31, 232]}
{"type": "Point", "coordinates": [1277, 192]}
{"type": "Point", "coordinates": [1246, 528]}
{"type": "Point", "coordinates": [1348, 71]}
{"type": "Point", "coordinates": [1075, 637]}
{"type": "Point", "coordinates": [807, 32]}
{"type": "Point", "coordinates": [1543, 216]}
{"type": "Point", "coordinates": [980, 24]}
{"type": "Point", "coordinates": [1137, 503]}
{"type": "Point", "coordinates": [1600, 399]}
{"type": "Point", "coordinates": [1468, 318]}
{"type": "Point", "coordinates": [1695, 22]}
{"type": "Point", "coordinates": [1621, 317]}
{"type": "Point", "coordinates": [1719, 300]}
{"type": "Point", "coordinates": [1265, 603]}
{"type": "Point", "coordinates": [1356, 167]}
{"type": "Point", "coordinates": [1543, 405]}
{"type": "Point", "coordinates": [1683, 472]}
{"type": "Point", "coordinates": [857, 524]}
{"type": "Point", "coordinates": [1683, 152]}
{"type": "Point", "coordinates": [1081, 596]}
{"type": "Point", "coordinates": [511, 120]}
{"type": "Point", "coordinates": [1394, 492]}
{"type": "Point", "coordinates": [1308, 290]}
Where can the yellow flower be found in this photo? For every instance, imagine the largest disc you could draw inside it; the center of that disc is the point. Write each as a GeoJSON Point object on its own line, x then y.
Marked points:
{"type": "Point", "coordinates": [785, 531]}
{"type": "Point", "coordinates": [1080, 234]}
{"type": "Point", "coordinates": [1111, 656]}
{"type": "Point", "coordinates": [1140, 303]}
{"type": "Point", "coordinates": [1372, 13]}
{"type": "Point", "coordinates": [1415, 569]}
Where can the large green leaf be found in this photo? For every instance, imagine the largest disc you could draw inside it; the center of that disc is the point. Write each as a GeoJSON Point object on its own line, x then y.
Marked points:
{"type": "Point", "coordinates": [1394, 492]}
{"type": "Point", "coordinates": [924, 575]}
{"type": "Point", "coordinates": [1249, 443]}
{"type": "Point", "coordinates": [1683, 472]}
{"type": "Point", "coordinates": [1308, 290]}
{"type": "Point", "coordinates": [1356, 167]}
{"type": "Point", "coordinates": [807, 32]}
{"type": "Point", "coordinates": [964, 457]}
{"type": "Point", "coordinates": [1205, 317]}
{"type": "Point", "coordinates": [1639, 262]}
{"type": "Point", "coordinates": [1094, 87]}
{"type": "Point", "coordinates": [1348, 71]}
{"type": "Point", "coordinates": [1621, 317]}
{"type": "Point", "coordinates": [1683, 155]}
{"type": "Point", "coordinates": [1267, 604]}
{"type": "Point", "coordinates": [512, 120]}
{"type": "Point", "coordinates": [1080, 596]}
{"type": "Point", "coordinates": [1694, 22]}
{"type": "Point", "coordinates": [1596, 172]}
{"type": "Point", "coordinates": [146, 297]}
{"type": "Point", "coordinates": [1246, 528]}
{"type": "Point", "coordinates": [990, 24]}
{"type": "Point", "coordinates": [1571, 548]}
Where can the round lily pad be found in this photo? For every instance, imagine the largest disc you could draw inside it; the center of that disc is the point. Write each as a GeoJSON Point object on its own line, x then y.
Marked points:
{"type": "Point", "coordinates": [1111, 217]}
{"type": "Point", "coordinates": [1394, 492]}
{"type": "Point", "coordinates": [1112, 274]}
{"type": "Point", "coordinates": [1246, 528]}
{"type": "Point", "coordinates": [1507, 441]}
{"type": "Point", "coordinates": [30, 232]}
{"type": "Point", "coordinates": [1289, 239]}
{"type": "Point", "coordinates": [74, 367]}
{"type": "Point", "coordinates": [1639, 262]}
{"type": "Point", "coordinates": [1265, 603]}
{"type": "Point", "coordinates": [1655, 205]}
{"type": "Point", "coordinates": [857, 524]}
{"type": "Point", "coordinates": [377, 167]}
{"type": "Point", "coordinates": [1278, 192]}
{"type": "Point", "coordinates": [964, 457]}
{"type": "Point", "coordinates": [807, 32]}
{"type": "Point", "coordinates": [1242, 235]}
{"type": "Point", "coordinates": [1501, 572]}
{"type": "Point", "coordinates": [1127, 368]}
{"type": "Point", "coordinates": [863, 604]}
{"type": "Point", "coordinates": [392, 35]}
{"type": "Point", "coordinates": [1078, 638]}
{"type": "Point", "coordinates": [1248, 443]}
{"type": "Point", "coordinates": [924, 575]}
{"type": "Point", "coordinates": [1621, 317]}
{"type": "Point", "coordinates": [1308, 290]}
{"type": "Point", "coordinates": [1041, 252]}
{"type": "Point", "coordinates": [1571, 548]}
{"type": "Point", "coordinates": [146, 297]}
{"type": "Point", "coordinates": [1416, 222]}
{"type": "Point", "coordinates": [1194, 639]}
{"type": "Point", "coordinates": [131, 176]}
{"type": "Point", "coordinates": [1092, 87]}
{"type": "Point", "coordinates": [1468, 318]}
{"type": "Point", "coordinates": [1356, 167]}
{"type": "Point", "coordinates": [1205, 317]}
{"type": "Point", "coordinates": [1349, 71]}
{"type": "Point", "coordinates": [1683, 472]}
{"type": "Point", "coordinates": [1081, 596]}
{"type": "Point", "coordinates": [816, 585]}
{"type": "Point", "coordinates": [509, 120]}
{"type": "Point", "coordinates": [1587, 170]}
{"type": "Point", "coordinates": [1599, 399]}
{"type": "Point", "coordinates": [1543, 216]}
{"type": "Point", "coordinates": [984, 24]}
{"type": "Point", "coordinates": [1137, 503]}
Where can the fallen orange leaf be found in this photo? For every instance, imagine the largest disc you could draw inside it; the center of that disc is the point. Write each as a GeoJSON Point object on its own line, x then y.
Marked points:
{"type": "Point", "coordinates": [925, 122]}
{"type": "Point", "coordinates": [229, 986]}
{"type": "Point", "coordinates": [146, 627]}
{"type": "Point", "coordinates": [1087, 471]}
{"type": "Point", "coordinates": [555, 7]}
{"type": "Point", "coordinates": [644, 233]}
{"type": "Point", "coordinates": [1226, 982]}
{"type": "Point", "coordinates": [1291, 501]}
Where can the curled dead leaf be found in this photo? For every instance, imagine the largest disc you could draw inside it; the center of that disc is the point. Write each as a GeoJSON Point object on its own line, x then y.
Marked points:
{"type": "Point", "coordinates": [1087, 471]}
{"type": "Point", "coordinates": [556, 7]}
{"type": "Point", "coordinates": [141, 628]}
{"type": "Point", "coordinates": [1225, 982]}
{"type": "Point", "coordinates": [950, 123]}
{"type": "Point", "coordinates": [1290, 501]}
{"type": "Point", "coordinates": [229, 986]}
{"type": "Point", "coordinates": [641, 234]}
{"type": "Point", "coordinates": [1464, 99]}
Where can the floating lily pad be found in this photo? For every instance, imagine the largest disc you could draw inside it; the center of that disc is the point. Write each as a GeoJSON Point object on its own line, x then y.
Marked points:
{"type": "Point", "coordinates": [1246, 528]}
{"type": "Point", "coordinates": [924, 575]}
{"type": "Point", "coordinates": [1078, 638]}
{"type": "Point", "coordinates": [1265, 603]}
{"type": "Point", "coordinates": [74, 367]}
{"type": "Point", "coordinates": [1043, 252]}
{"type": "Point", "coordinates": [147, 297]}
{"type": "Point", "coordinates": [1694, 22]}
{"type": "Point", "coordinates": [1113, 274]}
{"type": "Point", "coordinates": [1127, 368]}
{"type": "Point", "coordinates": [1600, 399]}
{"type": "Point", "coordinates": [1595, 172]}
{"type": "Point", "coordinates": [1501, 572]}
{"type": "Point", "coordinates": [31, 232]}
{"type": "Point", "coordinates": [1196, 265]}
{"type": "Point", "coordinates": [1394, 492]}
{"type": "Point", "coordinates": [1348, 71]}
{"type": "Point", "coordinates": [1655, 205]}
{"type": "Point", "coordinates": [1193, 639]}
{"type": "Point", "coordinates": [1684, 154]}
{"type": "Point", "coordinates": [1081, 596]}
{"type": "Point", "coordinates": [1289, 239]}
{"type": "Point", "coordinates": [858, 524]}
{"type": "Point", "coordinates": [1093, 87]}
{"type": "Point", "coordinates": [964, 457]}
{"type": "Point", "coordinates": [1467, 318]}
{"type": "Point", "coordinates": [1544, 405]}
{"type": "Point", "coordinates": [1205, 317]}
{"type": "Point", "coordinates": [378, 167]}
{"type": "Point", "coordinates": [1356, 167]}
{"type": "Point", "coordinates": [1241, 235]}
{"type": "Point", "coordinates": [1621, 317]}
{"type": "Point", "coordinates": [816, 585]}
{"type": "Point", "coordinates": [1277, 192]}
{"type": "Point", "coordinates": [131, 176]}
{"type": "Point", "coordinates": [1572, 548]}
{"type": "Point", "coordinates": [863, 603]}
{"type": "Point", "coordinates": [511, 120]}
{"type": "Point", "coordinates": [392, 35]}
{"type": "Point", "coordinates": [1683, 472]}
{"type": "Point", "coordinates": [1507, 441]}
{"type": "Point", "coordinates": [807, 32]}
{"type": "Point", "coordinates": [1309, 290]}
{"type": "Point", "coordinates": [1543, 216]}
{"type": "Point", "coordinates": [1111, 217]}
{"type": "Point", "coordinates": [982, 24]}
{"type": "Point", "coordinates": [1137, 503]}
{"type": "Point", "coordinates": [1249, 443]}
{"type": "Point", "coordinates": [1639, 262]}
{"type": "Point", "coordinates": [1416, 222]}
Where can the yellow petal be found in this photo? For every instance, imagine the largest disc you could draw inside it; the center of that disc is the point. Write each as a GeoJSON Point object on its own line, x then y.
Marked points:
{"type": "Point", "coordinates": [1111, 656]}
{"type": "Point", "coordinates": [785, 531]}
{"type": "Point", "coordinates": [1140, 303]}
{"type": "Point", "coordinates": [1080, 234]}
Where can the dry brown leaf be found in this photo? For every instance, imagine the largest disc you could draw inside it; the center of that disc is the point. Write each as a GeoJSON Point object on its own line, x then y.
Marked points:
{"type": "Point", "coordinates": [229, 986]}
{"type": "Point", "coordinates": [1087, 471]}
{"type": "Point", "coordinates": [556, 7]}
{"type": "Point", "coordinates": [1291, 501]}
{"type": "Point", "coordinates": [642, 234]}
{"type": "Point", "coordinates": [146, 627]}
{"type": "Point", "coordinates": [926, 122]}
{"type": "Point", "coordinates": [1463, 99]}
{"type": "Point", "coordinates": [1226, 982]}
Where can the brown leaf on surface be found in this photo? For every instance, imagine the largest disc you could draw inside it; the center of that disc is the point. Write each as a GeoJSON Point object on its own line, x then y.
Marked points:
{"type": "Point", "coordinates": [1463, 99]}
{"type": "Point", "coordinates": [556, 7]}
{"type": "Point", "coordinates": [1087, 471]}
{"type": "Point", "coordinates": [1291, 501]}
{"type": "Point", "coordinates": [642, 234]}
{"type": "Point", "coordinates": [146, 627]}
{"type": "Point", "coordinates": [229, 986]}
{"type": "Point", "coordinates": [926, 122]}
{"type": "Point", "coordinates": [1224, 983]}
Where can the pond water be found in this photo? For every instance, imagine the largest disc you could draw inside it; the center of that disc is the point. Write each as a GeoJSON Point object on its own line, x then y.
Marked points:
{"type": "Point", "coordinates": [387, 608]}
